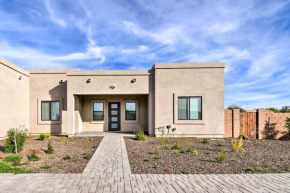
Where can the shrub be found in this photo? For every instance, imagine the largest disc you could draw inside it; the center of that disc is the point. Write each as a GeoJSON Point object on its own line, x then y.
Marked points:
{"type": "Point", "coordinates": [287, 125]}
{"type": "Point", "coordinates": [20, 135]}
{"type": "Point", "coordinates": [221, 157]}
{"type": "Point", "coordinates": [139, 134]}
{"type": "Point", "coordinates": [50, 149]}
{"type": "Point", "coordinates": [176, 146]}
{"type": "Point", "coordinates": [189, 150]}
{"type": "Point", "coordinates": [157, 158]}
{"type": "Point", "coordinates": [285, 109]}
{"type": "Point", "coordinates": [88, 156]}
{"type": "Point", "coordinates": [275, 110]}
{"type": "Point", "coordinates": [185, 172]}
{"type": "Point", "coordinates": [46, 167]}
{"type": "Point", "coordinates": [232, 107]}
{"type": "Point", "coordinates": [67, 157]}
{"type": "Point", "coordinates": [13, 158]}
{"type": "Point", "coordinates": [237, 146]}
{"type": "Point", "coordinates": [33, 156]}
{"type": "Point", "coordinates": [256, 169]}
{"type": "Point", "coordinates": [154, 152]}
{"type": "Point", "coordinates": [177, 153]}
{"type": "Point", "coordinates": [7, 168]}
{"type": "Point", "coordinates": [196, 153]}
{"type": "Point", "coordinates": [42, 137]}
{"type": "Point", "coordinates": [206, 141]}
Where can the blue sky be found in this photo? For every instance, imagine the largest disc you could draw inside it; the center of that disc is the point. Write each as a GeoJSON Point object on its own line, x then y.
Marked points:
{"type": "Point", "coordinates": [252, 37]}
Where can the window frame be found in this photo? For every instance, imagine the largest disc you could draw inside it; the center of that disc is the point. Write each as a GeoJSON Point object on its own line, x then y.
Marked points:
{"type": "Point", "coordinates": [46, 101]}
{"type": "Point", "coordinates": [126, 118]}
{"type": "Point", "coordinates": [99, 111]}
{"type": "Point", "coordinates": [188, 108]}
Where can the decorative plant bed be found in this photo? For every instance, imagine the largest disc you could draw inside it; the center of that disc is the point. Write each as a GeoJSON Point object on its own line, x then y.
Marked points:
{"type": "Point", "coordinates": [69, 155]}
{"type": "Point", "coordinates": [197, 156]}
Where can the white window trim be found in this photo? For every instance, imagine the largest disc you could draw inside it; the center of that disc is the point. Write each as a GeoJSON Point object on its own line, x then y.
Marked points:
{"type": "Point", "coordinates": [105, 111]}
{"type": "Point", "coordinates": [123, 113]}
{"type": "Point", "coordinates": [43, 99]}
{"type": "Point", "coordinates": [190, 122]}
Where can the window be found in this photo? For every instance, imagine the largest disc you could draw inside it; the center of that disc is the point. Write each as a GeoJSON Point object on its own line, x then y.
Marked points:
{"type": "Point", "coordinates": [130, 111]}
{"type": "Point", "coordinates": [189, 108]}
{"type": "Point", "coordinates": [50, 111]}
{"type": "Point", "coordinates": [98, 111]}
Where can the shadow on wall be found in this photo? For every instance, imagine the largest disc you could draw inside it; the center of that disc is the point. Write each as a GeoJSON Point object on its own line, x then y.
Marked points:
{"type": "Point", "coordinates": [270, 131]}
{"type": "Point", "coordinates": [59, 91]}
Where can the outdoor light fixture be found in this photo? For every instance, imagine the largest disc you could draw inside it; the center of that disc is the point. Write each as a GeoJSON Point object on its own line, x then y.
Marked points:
{"type": "Point", "coordinates": [61, 81]}
{"type": "Point", "coordinates": [113, 86]}
{"type": "Point", "coordinates": [20, 77]}
{"type": "Point", "coordinates": [133, 80]}
{"type": "Point", "coordinates": [89, 80]}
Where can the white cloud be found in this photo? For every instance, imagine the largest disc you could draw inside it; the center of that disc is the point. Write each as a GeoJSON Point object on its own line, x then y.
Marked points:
{"type": "Point", "coordinates": [132, 51]}
{"type": "Point", "coordinates": [221, 28]}
{"type": "Point", "coordinates": [53, 18]}
{"type": "Point", "coordinates": [170, 35]}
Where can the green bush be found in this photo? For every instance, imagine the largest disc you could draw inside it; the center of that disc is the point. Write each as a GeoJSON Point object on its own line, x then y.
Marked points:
{"type": "Point", "coordinates": [68, 157]}
{"type": "Point", "coordinates": [256, 169]}
{"type": "Point", "coordinates": [232, 107]}
{"type": "Point", "coordinates": [206, 141]}
{"type": "Point", "coordinates": [176, 146]}
{"type": "Point", "coordinates": [88, 156]}
{"type": "Point", "coordinates": [139, 134]}
{"type": "Point", "coordinates": [7, 168]}
{"type": "Point", "coordinates": [287, 125]}
{"type": "Point", "coordinates": [50, 149]}
{"type": "Point", "coordinates": [20, 135]}
{"type": "Point", "coordinates": [13, 158]}
{"type": "Point", "coordinates": [221, 157]}
{"type": "Point", "coordinates": [46, 167]}
{"type": "Point", "coordinates": [33, 157]}
{"type": "Point", "coordinates": [42, 137]}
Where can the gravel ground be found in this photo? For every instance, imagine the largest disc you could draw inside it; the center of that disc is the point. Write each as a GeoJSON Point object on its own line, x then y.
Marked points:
{"type": "Point", "coordinates": [76, 147]}
{"type": "Point", "coordinates": [273, 156]}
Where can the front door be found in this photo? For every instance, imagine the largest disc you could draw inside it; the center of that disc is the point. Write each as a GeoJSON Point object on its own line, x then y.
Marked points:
{"type": "Point", "coordinates": [114, 116]}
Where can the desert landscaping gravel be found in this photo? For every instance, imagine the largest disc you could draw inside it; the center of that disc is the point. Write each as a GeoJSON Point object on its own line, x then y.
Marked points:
{"type": "Point", "coordinates": [75, 147]}
{"type": "Point", "coordinates": [154, 157]}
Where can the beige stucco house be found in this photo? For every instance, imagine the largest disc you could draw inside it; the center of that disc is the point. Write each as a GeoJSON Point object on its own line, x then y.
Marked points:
{"type": "Point", "coordinates": [187, 96]}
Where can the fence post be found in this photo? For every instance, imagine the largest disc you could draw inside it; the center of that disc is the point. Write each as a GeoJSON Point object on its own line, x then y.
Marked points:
{"type": "Point", "coordinates": [261, 122]}
{"type": "Point", "coordinates": [236, 123]}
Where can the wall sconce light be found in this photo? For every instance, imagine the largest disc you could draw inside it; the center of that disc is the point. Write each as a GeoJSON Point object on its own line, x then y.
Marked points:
{"type": "Point", "coordinates": [133, 80]}
{"type": "Point", "coordinates": [113, 86]}
{"type": "Point", "coordinates": [61, 81]}
{"type": "Point", "coordinates": [89, 80]}
{"type": "Point", "coordinates": [20, 77]}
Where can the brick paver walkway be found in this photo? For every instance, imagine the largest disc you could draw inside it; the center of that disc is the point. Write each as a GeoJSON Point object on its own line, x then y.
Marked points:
{"type": "Point", "coordinates": [109, 171]}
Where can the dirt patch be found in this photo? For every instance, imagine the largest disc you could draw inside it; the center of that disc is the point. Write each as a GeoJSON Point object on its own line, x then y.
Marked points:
{"type": "Point", "coordinates": [157, 157]}
{"type": "Point", "coordinates": [78, 149]}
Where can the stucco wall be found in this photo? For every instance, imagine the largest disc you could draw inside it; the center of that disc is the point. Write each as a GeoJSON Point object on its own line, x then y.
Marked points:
{"type": "Point", "coordinates": [84, 116]}
{"type": "Point", "coordinates": [100, 85]}
{"type": "Point", "coordinates": [45, 85]}
{"type": "Point", "coordinates": [195, 79]}
{"type": "Point", "coordinates": [14, 97]}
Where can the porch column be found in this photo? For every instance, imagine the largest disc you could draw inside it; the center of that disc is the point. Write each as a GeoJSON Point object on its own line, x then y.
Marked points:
{"type": "Point", "coordinates": [70, 114]}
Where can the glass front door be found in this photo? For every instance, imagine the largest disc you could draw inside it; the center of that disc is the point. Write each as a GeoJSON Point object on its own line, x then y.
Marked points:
{"type": "Point", "coordinates": [114, 116]}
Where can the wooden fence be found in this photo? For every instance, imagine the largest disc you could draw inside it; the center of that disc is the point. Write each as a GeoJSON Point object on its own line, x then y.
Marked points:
{"type": "Point", "coordinates": [262, 124]}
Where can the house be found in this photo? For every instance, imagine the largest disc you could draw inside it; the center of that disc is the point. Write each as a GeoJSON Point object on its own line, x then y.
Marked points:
{"type": "Point", "coordinates": [187, 96]}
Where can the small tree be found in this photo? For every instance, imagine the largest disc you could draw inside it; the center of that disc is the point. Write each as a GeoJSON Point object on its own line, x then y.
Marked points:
{"type": "Point", "coordinates": [287, 125]}
{"type": "Point", "coordinates": [275, 110]}
{"type": "Point", "coordinates": [232, 107]}
{"type": "Point", "coordinates": [16, 139]}
{"type": "Point", "coordinates": [285, 109]}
